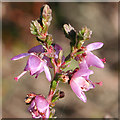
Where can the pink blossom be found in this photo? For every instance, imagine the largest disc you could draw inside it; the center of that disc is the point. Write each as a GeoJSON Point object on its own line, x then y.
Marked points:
{"type": "Point", "coordinates": [80, 81]}
{"type": "Point", "coordinates": [35, 64]}
{"type": "Point", "coordinates": [39, 107]}
{"type": "Point", "coordinates": [91, 59]}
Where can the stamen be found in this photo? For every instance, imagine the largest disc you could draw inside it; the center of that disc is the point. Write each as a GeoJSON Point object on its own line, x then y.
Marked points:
{"type": "Point", "coordinates": [103, 60]}
{"type": "Point", "coordinates": [99, 83]}
{"type": "Point", "coordinates": [18, 77]}
{"type": "Point", "coordinates": [82, 88]}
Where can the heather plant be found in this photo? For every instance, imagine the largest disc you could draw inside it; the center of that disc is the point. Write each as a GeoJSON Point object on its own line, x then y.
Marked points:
{"type": "Point", "coordinates": [50, 55]}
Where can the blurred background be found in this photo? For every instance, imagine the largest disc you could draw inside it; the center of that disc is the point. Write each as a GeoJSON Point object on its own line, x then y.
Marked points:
{"type": "Point", "coordinates": [101, 18]}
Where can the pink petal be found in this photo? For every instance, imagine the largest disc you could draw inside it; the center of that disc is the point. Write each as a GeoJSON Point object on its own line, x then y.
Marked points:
{"type": "Point", "coordinates": [47, 72]}
{"type": "Point", "coordinates": [41, 103]}
{"type": "Point", "coordinates": [31, 105]}
{"type": "Point", "coordinates": [47, 114]}
{"type": "Point", "coordinates": [93, 60]}
{"type": "Point", "coordinates": [94, 46]}
{"type": "Point", "coordinates": [48, 61]}
{"type": "Point", "coordinates": [20, 56]}
{"type": "Point", "coordinates": [77, 90]}
{"type": "Point", "coordinates": [27, 66]}
{"type": "Point", "coordinates": [37, 73]}
{"type": "Point", "coordinates": [81, 82]}
{"type": "Point", "coordinates": [34, 64]}
{"type": "Point", "coordinates": [83, 65]}
{"type": "Point", "coordinates": [37, 49]}
{"type": "Point", "coordinates": [83, 72]}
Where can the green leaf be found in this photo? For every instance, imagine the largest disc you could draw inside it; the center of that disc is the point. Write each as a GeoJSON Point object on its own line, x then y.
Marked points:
{"type": "Point", "coordinates": [34, 33]}
{"type": "Point", "coordinates": [54, 99]}
{"type": "Point", "coordinates": [78, 53]}
{"type": "Point", "coordinates": [49, 40]}
{"type": "Point", "coordinates": [54, 84]}
{"type": "Point", "coordinates": [35, 27]}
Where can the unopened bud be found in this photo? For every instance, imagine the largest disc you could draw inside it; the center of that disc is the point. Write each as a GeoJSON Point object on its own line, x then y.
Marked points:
{"type": "Point", "coordinates": [62, 94]}
{"type": "Point", "coordinates": [70, 33]}
{"type": "Point", "coordinates": [47, 14]}
{"type": "Point", "coordinates": [84, 34]}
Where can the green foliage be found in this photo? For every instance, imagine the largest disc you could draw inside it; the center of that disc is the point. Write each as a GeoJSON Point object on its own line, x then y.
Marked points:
{"type": "Point", "coordinates": [84, 34]}
{"type": "Point", "coordinates": [49, 40]}
{"type": "Point", "coordinates": [54, 84]}
{"type": "Point", "coordinates": [40, 27]}
{"type": "Point", "coordinates": [56, 96]}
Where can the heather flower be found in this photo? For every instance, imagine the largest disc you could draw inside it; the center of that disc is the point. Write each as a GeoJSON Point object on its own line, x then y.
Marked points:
{"type": "Point", "coordinates": [91, 59]}
{"type": "Point", "coordinates": [39, 107]}
{"type": "Point", "coordinates": [35, 64]}
{"type": "Point", "coordinates": [80, 81]}
{"type": "Point", "coordinates": [49, 55]}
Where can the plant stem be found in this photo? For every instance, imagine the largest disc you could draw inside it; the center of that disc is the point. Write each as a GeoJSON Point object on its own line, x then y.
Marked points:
{"type": "Point", "coordinates": [52, 91]}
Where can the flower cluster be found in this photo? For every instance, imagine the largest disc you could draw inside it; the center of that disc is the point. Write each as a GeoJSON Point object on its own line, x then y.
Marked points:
{"type": "Point", "coordinates": [39, 107]}
{"type": "Point", "coordinates": [80, 80]}
{"type": "Point", "coordinates": [50, 55]}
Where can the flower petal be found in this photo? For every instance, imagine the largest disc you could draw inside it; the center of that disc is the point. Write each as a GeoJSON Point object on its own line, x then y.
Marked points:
{"type": "Point", "coordinates": [48, 61]}
{"type": "Point", "coordinates": [93, 60]}
{"type": "Point", "coordinates": [47, 72]}
{"type": "Point", "coordinates": [37, 73]}
{"type": "Point", "coordinates": [47, 113]}
{"type": "Point", "coordinates": [63, 59]}
{"type": "Point", "coordinates": [83, 65]}
{"type": "Point", "coordinates": [41, 103]}
{"type": "Point", "coordinates": [34, 64]}
{"type": "Point", "coordinates": [83, 72]}
{"type": "Point", "coordinates": [37, 49]}
{"type": "Point", "coordinates": [77, 90]}
{"type": "Point", "coordinates": [57, 47]}
{"type": "Point", "coordinates": [31, 105]}
{"type": "Point", "coordinates": [20, 56]}
{"type": "Point", "coordinates": [94, 46]}
{"type": "Point", "coordinates": [27, 66]}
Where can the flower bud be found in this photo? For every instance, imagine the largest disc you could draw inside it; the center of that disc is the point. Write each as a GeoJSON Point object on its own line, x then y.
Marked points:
{"type": "Point", "coordinates": [84, 34]}
{"type": "Point", "coordinates": [70, 33]}
{"type": "Point", "coordinates": [46, 14]}
{"type": "Point", "coordinates": [39, 106]}
{"type": "Point", "coordinates": [62, 94]}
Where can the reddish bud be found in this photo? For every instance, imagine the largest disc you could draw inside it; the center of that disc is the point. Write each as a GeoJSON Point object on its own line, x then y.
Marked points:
{"type": "Point", "coordinates": [62, 94]}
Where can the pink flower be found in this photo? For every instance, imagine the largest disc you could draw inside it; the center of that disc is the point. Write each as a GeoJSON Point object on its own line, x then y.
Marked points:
{"type": "Point", "coordinates": [39, 107]}
{"type": "Point", "coordinates": [91, 59]}
{"type": "Point", "coordinates": [80, 81]}
{"type": "Point", "coordinates": [35, 64]}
